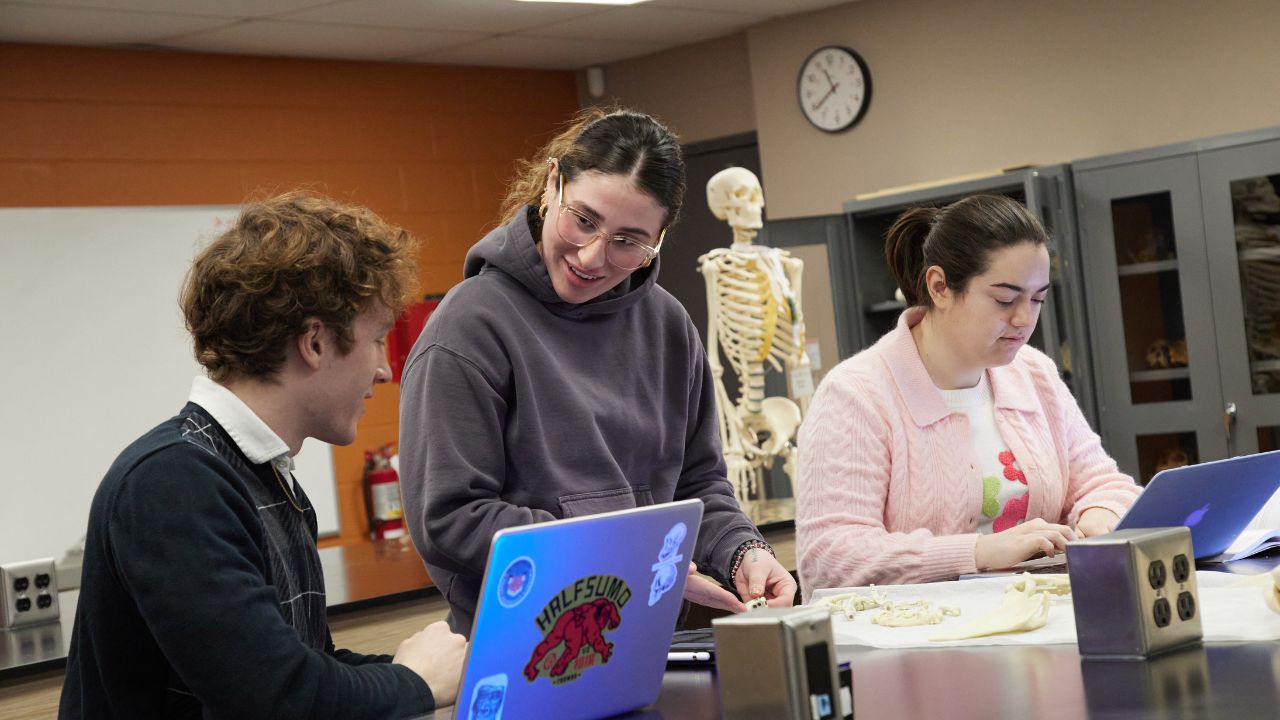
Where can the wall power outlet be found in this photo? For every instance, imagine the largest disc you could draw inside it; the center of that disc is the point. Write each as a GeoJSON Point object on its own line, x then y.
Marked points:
{"type": "Point", "coordinates": [29, 593]}
{"type": "Point", "coordinates": [1134, 592]}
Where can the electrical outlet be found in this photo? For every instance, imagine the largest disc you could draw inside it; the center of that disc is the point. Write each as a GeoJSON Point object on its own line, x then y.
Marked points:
{"type": "Point", "coordinates": [29, 593]}
{"type": "Point", "coordinates": [1134, 592]}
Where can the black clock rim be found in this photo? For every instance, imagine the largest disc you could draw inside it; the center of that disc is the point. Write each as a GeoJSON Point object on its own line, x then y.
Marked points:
{"type": "Point", "coordinates": [866, 96]}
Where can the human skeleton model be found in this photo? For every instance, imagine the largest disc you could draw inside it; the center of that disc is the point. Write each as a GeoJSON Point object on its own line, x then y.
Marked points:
{"type": "Point", "coordinates": [754, 316]}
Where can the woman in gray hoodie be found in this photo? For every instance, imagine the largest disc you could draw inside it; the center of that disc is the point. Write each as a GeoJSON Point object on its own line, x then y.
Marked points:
{"type": "Point", "coordinates": [558, 379]}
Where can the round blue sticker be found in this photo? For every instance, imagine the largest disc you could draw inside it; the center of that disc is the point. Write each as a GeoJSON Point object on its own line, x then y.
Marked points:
{"type": "Point", "coordinates": [516, 582]}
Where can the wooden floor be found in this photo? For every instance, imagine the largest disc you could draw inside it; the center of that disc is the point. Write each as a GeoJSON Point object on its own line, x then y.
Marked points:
{"type": "Point", "coordinates": [34, 697]}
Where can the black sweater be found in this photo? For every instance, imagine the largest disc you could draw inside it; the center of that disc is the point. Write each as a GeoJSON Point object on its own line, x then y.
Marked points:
{"type": "Point", "coordinates": [202, 596]}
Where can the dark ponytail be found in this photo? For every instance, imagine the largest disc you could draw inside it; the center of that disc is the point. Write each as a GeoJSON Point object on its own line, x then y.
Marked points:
{"type": "Point", "coordinates": [958, 238]}
{"type": "Point", "coordinates": [904, 250]}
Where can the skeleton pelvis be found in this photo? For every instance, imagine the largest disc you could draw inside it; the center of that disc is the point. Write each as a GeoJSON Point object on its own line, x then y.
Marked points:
{"type": "Point", "coordinates": [774, 426]}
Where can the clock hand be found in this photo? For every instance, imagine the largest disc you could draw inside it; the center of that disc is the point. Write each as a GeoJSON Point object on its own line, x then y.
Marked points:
{"type": "Point", "coordinates": [829, 80]}
{"type": "Point", "coordinates": [824, 97]}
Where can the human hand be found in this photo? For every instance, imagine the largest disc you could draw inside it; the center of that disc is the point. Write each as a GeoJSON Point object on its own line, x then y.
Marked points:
{"type": "Point", "coordinates": [1096, 521]}
{"type": "Point", "coordinates": [1021, 542]}
{"type": "Point", "coordinates": [762, 575]}
{"type": "Point", "coordinates": [436, 655]}
{"type": "Point", "coordinates": [702, 591]}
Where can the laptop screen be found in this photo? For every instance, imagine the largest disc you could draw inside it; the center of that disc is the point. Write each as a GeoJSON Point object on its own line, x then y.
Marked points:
{"type": "Point", "coordinates": [576, 616]}
{"type": "Point", "coordinates": [1216, 500]}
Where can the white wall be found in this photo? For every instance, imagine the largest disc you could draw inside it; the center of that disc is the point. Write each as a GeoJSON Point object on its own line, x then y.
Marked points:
{"type": "Point", "coordinates": [966, 87]}
{"type": "Point", "coordinates": [702, 91]}
{"type": "Point", "coordinates": [93, 354]}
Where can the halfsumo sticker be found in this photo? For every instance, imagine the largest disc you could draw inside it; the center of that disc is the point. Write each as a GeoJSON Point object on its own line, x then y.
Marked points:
{"type": "Point", "coordinates": [573, 624]}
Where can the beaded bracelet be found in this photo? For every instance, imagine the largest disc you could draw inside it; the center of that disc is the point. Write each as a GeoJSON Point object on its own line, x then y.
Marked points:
{"type": "Point", "coordinates": [741, 554]}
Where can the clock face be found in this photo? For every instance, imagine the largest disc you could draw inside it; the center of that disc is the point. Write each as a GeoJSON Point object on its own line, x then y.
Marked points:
{"type": "Point", "coordinates": [834, 88]}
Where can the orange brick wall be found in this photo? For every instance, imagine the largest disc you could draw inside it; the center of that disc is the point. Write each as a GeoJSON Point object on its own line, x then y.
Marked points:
{"type": "Point", "coordinates": [428, 147]}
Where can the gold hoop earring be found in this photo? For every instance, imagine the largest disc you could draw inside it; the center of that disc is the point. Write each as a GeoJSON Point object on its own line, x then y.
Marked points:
{"type": "Point", "coordinates": [542, 210]}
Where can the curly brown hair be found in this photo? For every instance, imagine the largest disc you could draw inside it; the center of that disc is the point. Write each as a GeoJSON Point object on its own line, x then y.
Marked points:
{"type": "Point", "coordinates": [289, 258]}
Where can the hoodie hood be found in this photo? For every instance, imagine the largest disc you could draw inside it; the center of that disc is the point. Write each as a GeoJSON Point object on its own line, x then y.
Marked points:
{"type": "Point", "coordinates": [510, 249]}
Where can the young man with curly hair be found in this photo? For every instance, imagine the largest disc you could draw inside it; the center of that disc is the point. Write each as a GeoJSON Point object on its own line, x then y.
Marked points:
{"type": "Point", "coordinates": [202, 593]}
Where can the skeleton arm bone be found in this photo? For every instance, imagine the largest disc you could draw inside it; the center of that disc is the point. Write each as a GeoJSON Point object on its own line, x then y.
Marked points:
{"type": "Point", "coordinates": [741, 474]}
{"type": "Point", "coordinates": [794, 269]}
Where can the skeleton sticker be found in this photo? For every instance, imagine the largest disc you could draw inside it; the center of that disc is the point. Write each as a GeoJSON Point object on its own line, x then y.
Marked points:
{"type": "Point", "coordinates": [573, 624]}
{"type": "Point", "coordinates": [516, 582]}
{"type": "Point", "coordinates": [488, 697]}
{"type": "Point", "coordinates": [665, 570]}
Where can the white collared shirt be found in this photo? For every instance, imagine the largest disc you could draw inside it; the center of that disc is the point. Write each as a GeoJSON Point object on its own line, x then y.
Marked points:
{"type": "Point", "coordinates": [254, 437]}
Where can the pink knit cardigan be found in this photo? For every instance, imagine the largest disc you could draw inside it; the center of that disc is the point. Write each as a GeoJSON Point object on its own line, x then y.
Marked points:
{"type": "Point", "coordinates": [889, 490]}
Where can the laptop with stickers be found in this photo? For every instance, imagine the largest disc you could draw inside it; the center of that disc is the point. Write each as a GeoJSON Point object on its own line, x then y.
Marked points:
{"type": "Point", "coordinates": [576, 616]}
{"type": "Point", "coordinates": [1216, 499]}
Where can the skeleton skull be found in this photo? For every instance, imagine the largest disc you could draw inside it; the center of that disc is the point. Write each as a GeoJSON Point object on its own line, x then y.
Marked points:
{"type": "Point", "coordinates": [1158, 354]}
{"type": "Point", "coordinates": [734, 196]}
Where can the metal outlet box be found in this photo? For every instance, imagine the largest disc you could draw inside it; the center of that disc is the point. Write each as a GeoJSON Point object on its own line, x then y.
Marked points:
{"type": "Point", "coordinates": [29, 593]}
{"type": "Point", "coordinates": [777, 663]}
{"type": "Point", "coordinates": [1134, 592]}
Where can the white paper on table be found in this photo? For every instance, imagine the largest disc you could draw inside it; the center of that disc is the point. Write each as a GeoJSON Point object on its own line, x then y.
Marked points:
{"type": "Point", "coordinates": [1251, 542]}
{"type": "Point", "coordinates": [1228, 612]}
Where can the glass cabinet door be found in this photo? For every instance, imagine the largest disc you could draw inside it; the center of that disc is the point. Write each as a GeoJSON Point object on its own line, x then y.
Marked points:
{"type": "Point", "coordinates": [1150, 313]}
{"type": "Point", "coordinates": [1241, 191]}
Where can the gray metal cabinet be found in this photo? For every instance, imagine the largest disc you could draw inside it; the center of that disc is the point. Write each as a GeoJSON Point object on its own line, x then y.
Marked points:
{"type": "Point", "coordinates": [1181, 246]}
{"type": "Point", "coordinates": [864, 287]}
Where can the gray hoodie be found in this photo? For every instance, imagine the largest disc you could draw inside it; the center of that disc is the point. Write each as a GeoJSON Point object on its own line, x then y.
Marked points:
{"type": "Point", "coordinates": [517, 407]}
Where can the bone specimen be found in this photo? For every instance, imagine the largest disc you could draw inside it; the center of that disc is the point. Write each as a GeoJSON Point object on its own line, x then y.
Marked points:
{"type": "Point", "coordinates": [1024, 607]}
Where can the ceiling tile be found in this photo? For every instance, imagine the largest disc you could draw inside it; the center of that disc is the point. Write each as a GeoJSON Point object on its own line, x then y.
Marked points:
{"type": "Point", "coordinates": [538, 52]}
{"type": "Point", "coordinates": [770, 8]}
{"type": "Point", "coordinates": [59, 25]}
{"type": "Point", "coordinates": [664, 26]}
{"type": "Point", "coordinates": [274, 37]}
{"type": "Point", "coordinates": [216, 8]}
{"type": "Point", "coordinates": [488, 16]}
{"type": "Point", "coordinates": [509, 33]}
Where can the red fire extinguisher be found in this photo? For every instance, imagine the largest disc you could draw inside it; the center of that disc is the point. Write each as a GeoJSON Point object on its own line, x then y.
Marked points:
{"type": "Point", "coordinates": [382, 489]}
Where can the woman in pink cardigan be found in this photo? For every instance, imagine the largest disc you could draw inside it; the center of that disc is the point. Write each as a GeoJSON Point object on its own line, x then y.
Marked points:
{"type": "Point", "coordinates": [950, 446]}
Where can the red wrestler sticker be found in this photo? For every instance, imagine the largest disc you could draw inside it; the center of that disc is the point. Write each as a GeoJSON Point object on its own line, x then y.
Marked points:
{"type": "Point", "coordinates": [573, 624]}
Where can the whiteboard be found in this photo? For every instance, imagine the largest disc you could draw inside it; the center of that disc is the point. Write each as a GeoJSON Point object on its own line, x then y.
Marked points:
{"type": "Point", "coordinates": [93, 354]}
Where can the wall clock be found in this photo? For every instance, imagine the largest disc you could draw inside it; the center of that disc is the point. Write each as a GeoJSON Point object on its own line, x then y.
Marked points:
{"type": "Point", "coordinates": [834, 88]}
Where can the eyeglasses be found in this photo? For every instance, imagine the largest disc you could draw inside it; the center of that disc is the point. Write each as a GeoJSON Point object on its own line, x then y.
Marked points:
{"type": "Point", "coordinates": [580, 230]}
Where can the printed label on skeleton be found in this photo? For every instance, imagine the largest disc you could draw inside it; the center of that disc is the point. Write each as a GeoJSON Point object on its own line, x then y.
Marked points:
{"type": "Point", "coordinates": [801, 381]}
